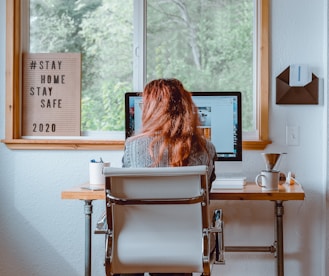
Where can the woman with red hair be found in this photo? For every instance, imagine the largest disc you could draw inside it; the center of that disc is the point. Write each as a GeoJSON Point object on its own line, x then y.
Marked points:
{"type": "Point", "coordinates": [170, 135]}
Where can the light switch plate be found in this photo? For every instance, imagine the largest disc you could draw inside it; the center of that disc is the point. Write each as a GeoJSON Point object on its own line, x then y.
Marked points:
{"type": "Point", "coordinates": [292, 135]}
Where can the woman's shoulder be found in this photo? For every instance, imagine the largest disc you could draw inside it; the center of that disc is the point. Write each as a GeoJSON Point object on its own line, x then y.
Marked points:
{"type": "Point", "coordinates": [138, 139]}
{"type": "Point", "coordinates": [210, 145]}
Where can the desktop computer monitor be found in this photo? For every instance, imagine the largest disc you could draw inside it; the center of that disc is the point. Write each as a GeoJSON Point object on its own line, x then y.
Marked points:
{"type": "Point", "coordinates": [220, 120]}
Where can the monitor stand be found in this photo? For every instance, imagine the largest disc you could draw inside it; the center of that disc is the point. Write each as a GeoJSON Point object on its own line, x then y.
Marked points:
{"type": "Point", "coordinates": [229, 169]}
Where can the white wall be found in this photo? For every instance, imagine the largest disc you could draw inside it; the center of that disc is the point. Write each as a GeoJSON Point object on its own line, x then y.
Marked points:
{"type": "Point", "coordinates": [40, 234]}
{"type": "Point", "coordinates": [327, 156]}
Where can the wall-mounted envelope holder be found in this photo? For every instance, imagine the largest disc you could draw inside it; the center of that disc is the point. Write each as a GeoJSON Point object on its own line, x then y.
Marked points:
{"type": "Point", "coordinates": [286, 94]}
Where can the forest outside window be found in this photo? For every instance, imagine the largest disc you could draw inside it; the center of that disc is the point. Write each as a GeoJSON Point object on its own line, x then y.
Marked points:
{"type": "Point", "coordinates": [218, 45]}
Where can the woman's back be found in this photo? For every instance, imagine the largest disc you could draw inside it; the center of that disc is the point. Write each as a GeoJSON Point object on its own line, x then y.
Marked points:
{"type": "Point", "coordinates": [137, 155]}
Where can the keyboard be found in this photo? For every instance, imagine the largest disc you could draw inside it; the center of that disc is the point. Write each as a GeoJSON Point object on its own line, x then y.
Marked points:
{"type": "Point", "coordinates": [229, 181]}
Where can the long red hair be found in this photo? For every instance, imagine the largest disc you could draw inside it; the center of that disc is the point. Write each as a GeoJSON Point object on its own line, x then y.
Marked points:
{"type": "Point", "coordinates": [170, 117]}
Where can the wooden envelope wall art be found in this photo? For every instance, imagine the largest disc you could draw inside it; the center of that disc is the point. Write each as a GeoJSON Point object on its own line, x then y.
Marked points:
{"type": "Point", "coordinates": [286, 94]}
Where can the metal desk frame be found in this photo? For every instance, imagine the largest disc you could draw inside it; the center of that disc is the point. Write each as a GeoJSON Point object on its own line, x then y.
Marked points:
{"type": "Point", "coordinates": [250, 192]}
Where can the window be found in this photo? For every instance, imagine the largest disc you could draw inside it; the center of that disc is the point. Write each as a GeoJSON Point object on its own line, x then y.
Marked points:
{"type": "Point", "coordinates": [208, 45]}
{"type": "Point", "coordinates": [128, 74]}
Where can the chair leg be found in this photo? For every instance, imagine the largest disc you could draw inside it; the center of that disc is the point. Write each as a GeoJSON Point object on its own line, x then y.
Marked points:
{"type": "Point", "coordinates": [218, 224]}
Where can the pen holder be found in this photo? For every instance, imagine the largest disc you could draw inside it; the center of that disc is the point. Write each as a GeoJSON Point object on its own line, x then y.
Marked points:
{"type": "Point", "coordinates": [96, 176]}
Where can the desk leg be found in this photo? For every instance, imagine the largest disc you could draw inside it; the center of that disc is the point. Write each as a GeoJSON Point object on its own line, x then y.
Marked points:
{"type": "Point", "coordinates": [88, 213]}
{"type": "Point", "coordinates": [279, 209]}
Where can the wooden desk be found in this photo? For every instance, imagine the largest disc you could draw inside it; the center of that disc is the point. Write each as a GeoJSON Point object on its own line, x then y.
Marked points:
{"type": "Point", "coordinates": [84, 194]}
{"type": "Point", "coordinates": [250, 192]}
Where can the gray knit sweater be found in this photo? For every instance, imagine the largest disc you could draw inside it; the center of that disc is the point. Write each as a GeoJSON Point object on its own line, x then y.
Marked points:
{"type": "Point", "coordinates": [137, 155]}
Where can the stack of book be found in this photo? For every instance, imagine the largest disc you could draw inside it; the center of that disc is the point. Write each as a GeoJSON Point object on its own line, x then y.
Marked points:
{"type": "Point", "coordinates": [229, 183]}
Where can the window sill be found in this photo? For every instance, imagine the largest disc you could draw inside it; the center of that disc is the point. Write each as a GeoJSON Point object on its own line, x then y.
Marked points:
{"type": "Point", "coordinates": [44, 144]}
{"type": "Point", "coordinates": [255, 144]}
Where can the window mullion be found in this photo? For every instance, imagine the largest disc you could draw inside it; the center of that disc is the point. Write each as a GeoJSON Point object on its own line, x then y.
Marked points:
{"type": "Point", "coordinates": [139, 60]}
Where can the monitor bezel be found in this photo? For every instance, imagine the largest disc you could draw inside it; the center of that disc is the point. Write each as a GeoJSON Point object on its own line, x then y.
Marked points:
{"type": "Point", "coordinates": [237, 94]}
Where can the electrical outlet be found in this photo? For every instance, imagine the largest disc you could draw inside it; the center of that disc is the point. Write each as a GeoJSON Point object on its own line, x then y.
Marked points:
{"type": "Point", "coordinates": [292, 135]}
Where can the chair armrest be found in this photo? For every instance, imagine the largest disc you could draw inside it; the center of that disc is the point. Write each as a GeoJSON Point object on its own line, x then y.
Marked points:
{"type": "Point", "coordinates": [101, 226]}
{"type": "Point", "coordinates": [217, 221]}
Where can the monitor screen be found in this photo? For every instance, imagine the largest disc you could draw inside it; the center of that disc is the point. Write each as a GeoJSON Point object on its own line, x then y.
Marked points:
{"type": "Point", "coordinates": [220, 120]}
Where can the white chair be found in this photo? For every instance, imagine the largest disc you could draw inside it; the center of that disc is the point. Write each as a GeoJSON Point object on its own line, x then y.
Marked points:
{"type": "Point", "coordinates": [158, 221]}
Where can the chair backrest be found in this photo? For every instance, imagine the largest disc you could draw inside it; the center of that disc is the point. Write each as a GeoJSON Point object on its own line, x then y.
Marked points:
{"type": "Point", "coordinates": [157, 218]}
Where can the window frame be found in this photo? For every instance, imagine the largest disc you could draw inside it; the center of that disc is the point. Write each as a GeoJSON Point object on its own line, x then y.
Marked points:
{"type": "Point", "coordinates": [14, 49]}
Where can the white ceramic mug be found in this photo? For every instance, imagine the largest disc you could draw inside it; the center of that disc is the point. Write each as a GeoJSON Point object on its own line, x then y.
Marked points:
{"type": "Point", "coordinates": [96, 176]}
{"type": "Point", "coordinates": [268, 180]}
